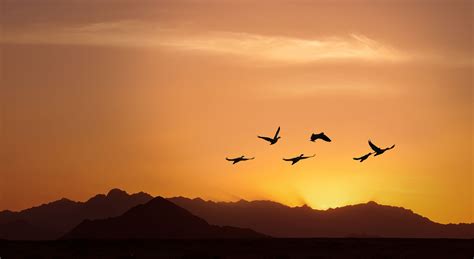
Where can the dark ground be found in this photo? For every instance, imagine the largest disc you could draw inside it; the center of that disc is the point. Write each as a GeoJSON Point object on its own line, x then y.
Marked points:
{"type": "Point", "coordinates": [263, 248]}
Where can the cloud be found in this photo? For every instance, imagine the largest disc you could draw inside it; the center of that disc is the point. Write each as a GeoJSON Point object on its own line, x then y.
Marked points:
{"type": "Point", "coordinates": [337, 88]}
{"type": "Point", "coordinates": [288, 49]}
{"type": "Point", "coordinates": [264, 48]}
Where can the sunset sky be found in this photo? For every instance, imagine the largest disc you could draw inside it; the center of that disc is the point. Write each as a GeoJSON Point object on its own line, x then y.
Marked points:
{"type": "Point", "coordinates": [153, 95]}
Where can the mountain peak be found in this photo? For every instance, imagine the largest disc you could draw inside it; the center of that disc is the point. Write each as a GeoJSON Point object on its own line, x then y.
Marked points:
{"type": "Point", "coordinates": [157, 207]}
{"type": "Point", "coordinates": [117, 193]}
{"type": "Point", "coordinates": [63, 201]}
{"type": "Point", "coordinates": [158, 201]}
{"type": "Point", "coordinates": [305, 206]}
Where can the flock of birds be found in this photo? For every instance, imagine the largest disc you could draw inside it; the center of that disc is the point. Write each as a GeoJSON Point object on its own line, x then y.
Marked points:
{"type": "Point", "coordinates": [376, 150]}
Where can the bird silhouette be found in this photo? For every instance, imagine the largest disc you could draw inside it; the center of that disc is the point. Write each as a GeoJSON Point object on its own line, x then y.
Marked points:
{"type": "Point", "coordinates": [364, 157]}
{"type": "Point", "coordinates": [321, 135]}
{"type": "Point", "coordinates": [379, 151]}
{"type": "Point", "coordinates": [239, 159]}
{"type": "Point", "coordinates": [272, 140]}
{"type": "Point", "coordinates": [295, 160]}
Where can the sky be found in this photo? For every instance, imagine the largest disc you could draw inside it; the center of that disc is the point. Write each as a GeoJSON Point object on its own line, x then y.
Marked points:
{"type": "Point", "coordinates": [153, 95]}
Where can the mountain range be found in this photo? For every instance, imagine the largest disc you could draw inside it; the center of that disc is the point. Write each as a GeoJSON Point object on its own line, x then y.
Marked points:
{"type": "Point", "coordinates": [54, 219]}
{"type": "Point", "coordinates": [361, 220]}
{"type": "Point", "coordinates": [156, 219]}
{"type": "Point", "coordinates": [122, 215]}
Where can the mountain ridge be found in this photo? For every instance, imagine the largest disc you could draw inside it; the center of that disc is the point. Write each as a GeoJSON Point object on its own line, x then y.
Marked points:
{"type": "Point", "coordinates": [67, 213]}
{"type": "Point", "coordinates": [156, 219]}
{"type": "Point", "coordinates": [365, 219]}
{"type": "Point", "coordinates": [267, 217]}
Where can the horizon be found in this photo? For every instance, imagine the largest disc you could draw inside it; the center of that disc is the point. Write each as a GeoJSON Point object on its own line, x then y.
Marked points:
{"type": "Point", "coordinates": [232, 201]}
{"type": "Point", "coordinates": [153, 96]}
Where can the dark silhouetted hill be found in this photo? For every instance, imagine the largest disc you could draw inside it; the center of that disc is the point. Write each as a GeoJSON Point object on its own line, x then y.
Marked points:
{"type": "Point", "coordinates": [157, 219]}
{"type": "Point", "coordinates": [362, 220]}
{"type": "Point", "coordinates": [18, 229]}
{"type": "Point", "coordinates": [52, 220]}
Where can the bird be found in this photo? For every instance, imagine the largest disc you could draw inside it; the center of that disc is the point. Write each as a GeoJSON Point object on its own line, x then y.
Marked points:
{"type": "Point", "coordinates": [272, 140]}
{"type": "Point", "coordinates": [321, 135]}
{"type": "Point", "coordinates": [379, 151]}
{"type": "Point", "coordinates": [239, 159]}
{"type": "Point", "coordinates": [364, 157]}
{"type": "Point", "coordinates": [295, 160]}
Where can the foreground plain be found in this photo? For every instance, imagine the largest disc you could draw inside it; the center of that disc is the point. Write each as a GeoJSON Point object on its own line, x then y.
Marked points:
{"type": "Point", "coordinates": [242, 248]}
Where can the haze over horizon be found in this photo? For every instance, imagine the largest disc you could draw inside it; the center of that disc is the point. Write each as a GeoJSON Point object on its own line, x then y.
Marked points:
{"type": "Point", "coordinates": [152, 96]}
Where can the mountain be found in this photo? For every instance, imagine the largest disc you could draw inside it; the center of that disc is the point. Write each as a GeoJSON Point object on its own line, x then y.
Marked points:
{"type": "Point", "coordinates": [17, 229]}
{"type": "Point", "coordinates": [55, 219]}
{"type": "Point", "coordinates": [52, 220]}
{"type": "Point", "coordinates": [157, 219]}
{"type": "Point", "coordinates": [361, 220]}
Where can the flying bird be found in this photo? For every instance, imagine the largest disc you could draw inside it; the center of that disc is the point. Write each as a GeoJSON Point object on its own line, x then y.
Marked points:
{"type": "Point", "coordinates": [379, 151]}
{"type": "Point", "coordinates": [364, 157]}
{"type": "Point", "coordinates": [239, 159]}
{"type": "Point", "coordinates": [295, 160]}
{"type": "Point", "coordinates": [321, 135]}
{"type": "Point", "coordinates": [272, 140]}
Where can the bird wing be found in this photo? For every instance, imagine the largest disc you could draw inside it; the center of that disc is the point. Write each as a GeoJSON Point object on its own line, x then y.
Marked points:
{"type": "Point", "coordinates": [325, 138]}
{"type": "Point", "coordinates": [288, 159]}
{"type": "Point", "coordinates": [266, 138]}
{"type": "Point", "coordinates": [276, 134]}
{"type": "Point", "coordinates": [362, 157]}
{"type": "Point", "coordinates": [391, 147]}
{"type": "Point", "coordinates": [230, 159]}
{"type": "Point", "coordinates": [374, 147]}
{"type": "Point", "coordinates": [313, 137]}
{"type": "Point", "coordinates": [309, 156]}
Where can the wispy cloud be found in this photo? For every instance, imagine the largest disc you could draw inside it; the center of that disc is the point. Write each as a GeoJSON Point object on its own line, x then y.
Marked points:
{"type": "Point", "coordinates": [250, 46]}
{"type": "Point", "coordinates": [301, 89]}
{"type": "Point", "coordinates": [288, 49]}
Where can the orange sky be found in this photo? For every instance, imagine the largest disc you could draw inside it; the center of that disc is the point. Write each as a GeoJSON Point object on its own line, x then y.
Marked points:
{"type": "Point", "coordinates": [153, 95]}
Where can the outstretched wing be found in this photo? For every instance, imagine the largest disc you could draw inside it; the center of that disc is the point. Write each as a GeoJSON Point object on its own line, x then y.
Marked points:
{"type": "Point", "coordinates": [362, 158]}
{"type": "Point", "coordinates": [309, 156]}
{"type": "Point", "coordinates": [391, 147]}
{"type": "Point", "coordinates": [276, 134]}
{"type": "Point", "coordinates": [374, 147]}
{"type": "Point", "coordinates": [230, 159]}
{"type": "Point", "coordinates": [266, 138]}
{"type": "Point", "coordinates": [288, 159]}
{"type": "Point", "coordinates": [325, 138]}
